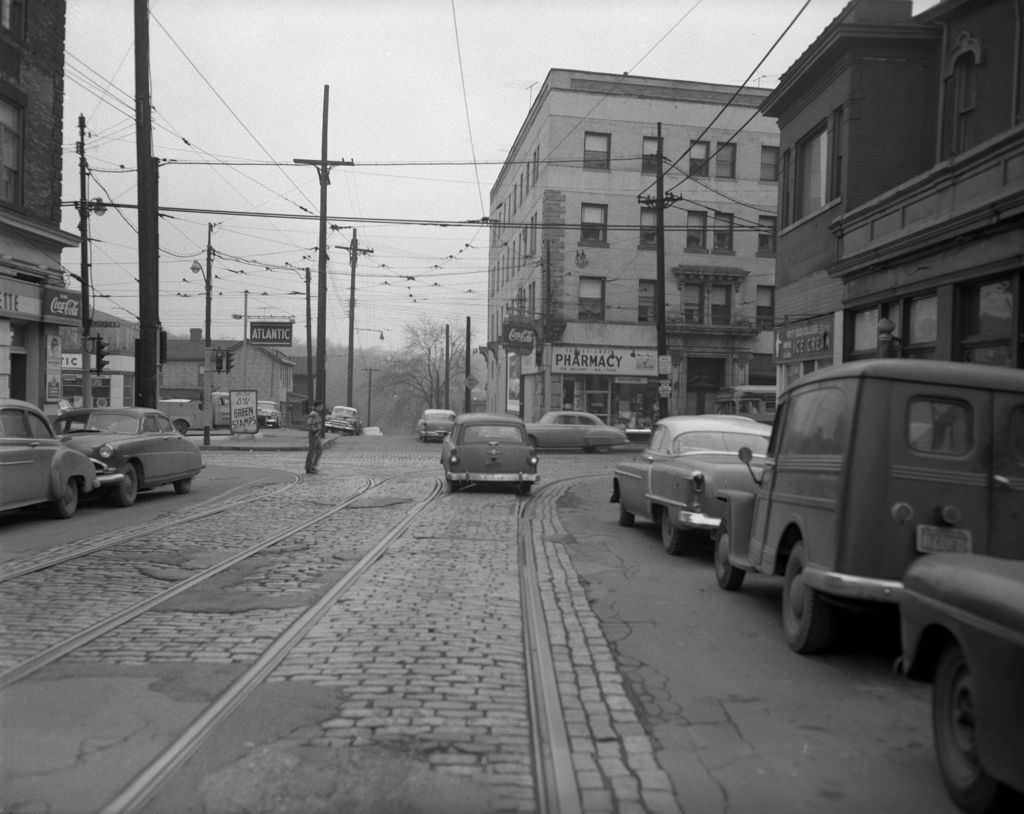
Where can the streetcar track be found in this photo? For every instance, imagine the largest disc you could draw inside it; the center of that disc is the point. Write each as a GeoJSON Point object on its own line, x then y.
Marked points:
{"type": "Point", "coordinates": [127, 614]}
{"type": "Point", "coordinates": [136, 793]}
{"type": "Point", "coordinates": [217, 505]}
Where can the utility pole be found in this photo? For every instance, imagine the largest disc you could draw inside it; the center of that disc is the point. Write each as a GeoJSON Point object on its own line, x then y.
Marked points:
{"type": "Point", "coordinates": [323, 169]}
{"type": "Point", "coordinates": [353, 258]}
{"type": "Point", "coordinates": [207, 340]}
{"type": "Point", "coordinates": [467, 404]}
{"type": "Point", "coordinates": [83, 229]}
{"type": "Point", "coordinates": [447, 366]}
{"type": "Point", "coordinates": [309, 346]}
{"type": "Point", "coordinates": [661, 201]}
{"type": "Point", "coordinates": [147, 382]}
{"type": "Point", "coordinates": [369, 395]}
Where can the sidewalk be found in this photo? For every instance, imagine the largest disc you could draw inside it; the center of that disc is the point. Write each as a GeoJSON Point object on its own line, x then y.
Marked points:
{"type": "Point", "coordinates": [266, 440]}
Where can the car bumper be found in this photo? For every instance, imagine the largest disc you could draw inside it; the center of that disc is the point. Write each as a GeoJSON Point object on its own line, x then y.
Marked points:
{"type": "Point", "coordinates": [433, 435]}
{"type": "Point", "coordinates": [493, 477]}
{"type": "Point", "coordinates": [697, 520]}
{"type": "Point", "coordinates": [105, 475]}
{"type": "Point", "coordinates": [848, 586]}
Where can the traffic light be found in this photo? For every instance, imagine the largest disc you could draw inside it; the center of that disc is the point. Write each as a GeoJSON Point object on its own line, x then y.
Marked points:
{"type": "Point", "coordinates": [229, 360]}
{"type": "Point", "coordinates": [218, 360]}
{"type": "Point", "coordinates": [101, 355]}
{"type": "Point", "coordinates": [163, 347]}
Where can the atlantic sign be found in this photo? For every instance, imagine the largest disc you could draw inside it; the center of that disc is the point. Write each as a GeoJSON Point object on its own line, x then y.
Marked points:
{"type": "Point", "coordinates": [270, 333]}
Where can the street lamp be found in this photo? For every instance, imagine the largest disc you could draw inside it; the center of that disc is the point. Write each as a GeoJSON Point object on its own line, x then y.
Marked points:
{"type": "Point", "coordinates": [196, 268]}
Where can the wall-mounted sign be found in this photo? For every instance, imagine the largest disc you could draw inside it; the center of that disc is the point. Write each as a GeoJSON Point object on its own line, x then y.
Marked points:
{"type": "Point", "coordinates": [62, 306]}
{"type": "Point", "coordinates": [583, 359]}
{"type": "Point", "coordinates": [519, 336]}
{"type": "Point", "coordinates": [270, 333]}
{"type": "Point", "coordinates": [811, 339]}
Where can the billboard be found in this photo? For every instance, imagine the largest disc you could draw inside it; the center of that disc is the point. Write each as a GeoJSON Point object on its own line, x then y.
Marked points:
{"type": "Point", "coordinates": [271, 333]}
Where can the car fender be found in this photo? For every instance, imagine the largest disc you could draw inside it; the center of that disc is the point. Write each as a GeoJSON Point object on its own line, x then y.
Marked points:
{"type": "Point", "coordinates": [738, 516]}
{"type": "Point", "coordinates": [71, 463]}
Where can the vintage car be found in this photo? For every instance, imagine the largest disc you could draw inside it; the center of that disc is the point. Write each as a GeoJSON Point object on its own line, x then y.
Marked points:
{"type": "Point", "coordinates": [36, 467]}
{"type": "Point", "coordinates": [872, 464]}
{"type": "Point", "coordinates": [675, 482]}
{"type": "Point", "coordinates": [267, 414]}
{"type": "Point", "coordinates": [434, 425]}
{"type": "Point", "coordinates": [486, 449]}
{"type": "Point", "coordinates": [344, 420]}
{"type": "Point", "coordinates": [137, 443]}
{"type": "Point", "coordinates": [962, 624]}
{"type": "Point", "coordinates": [571, 429]}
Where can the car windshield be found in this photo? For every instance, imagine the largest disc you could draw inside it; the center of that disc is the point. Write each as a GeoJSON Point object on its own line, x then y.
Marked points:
{"type": "Point", "coordinates": [485, 433]}
{"type": "Point", "coordinates": [117, 423]}
{"type": "Point", "coordinates": [344, 412]}
{"type": "Point", "coordinates": [718, 441]}
{"type": "Point", "coordinates": [443, 415]}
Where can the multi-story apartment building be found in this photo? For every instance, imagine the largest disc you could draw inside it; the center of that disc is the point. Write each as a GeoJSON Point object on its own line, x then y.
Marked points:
{"type": "Point", "coordinates": [573, 254]}
{"type": "Point", "coordinates": [902, 203]}
{"type": "Point", "coordinates": [34, 301]}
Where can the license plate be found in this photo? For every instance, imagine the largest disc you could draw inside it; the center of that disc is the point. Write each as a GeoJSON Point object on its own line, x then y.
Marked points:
{"type": "Point", "coordinates": [490, 477]}
{"type": "Point", "coordinates": [937, 539]}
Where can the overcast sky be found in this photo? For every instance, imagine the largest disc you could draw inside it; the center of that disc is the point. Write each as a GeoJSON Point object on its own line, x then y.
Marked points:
{"type": "Point", "coordinates": [426, 97]}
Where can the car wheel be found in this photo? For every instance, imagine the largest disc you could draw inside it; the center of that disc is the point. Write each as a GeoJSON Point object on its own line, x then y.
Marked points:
{"type": "Point", "coordinates": [729, 577]}
{"type": "Point", "coordinates": [454, 485]}
{"type": "Point", "coordinates": [956, 744]}
{"type": "Point", "coordinates": [675, 541]}
{"type": "Point", "coordinates": [533, 441]}
{"type": "Point", "coordinates": [181, 425]}
{"type": "Point", "coordinates": [183, 486]}
{"type": "Point", "coordinates": [808, 620]}
{"type": "Point", "coordinates": [626, 519]}
{"type": "Point", "coordinates": [128, 489]}
{"type": "Point", "coordinates": [67, 504]}
{"type": "Point", "coordinates": [524, 488]}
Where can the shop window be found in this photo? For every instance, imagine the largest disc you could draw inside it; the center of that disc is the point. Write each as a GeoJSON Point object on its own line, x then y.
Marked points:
{"type": "Point", "coordinates": [597, 151]}
{"type": "Point", "coordinates": [987, 316]}
{"type": "Point", "coordinates": [648, 228]}
{"type": "Point", "coordinates": [699, 159]}
{"type": "Point", "coordinates": [765, 308]}
{"type": "Point", "coordinates": [725, 161]}
{"type": "Point", "coordinates": [766, 235]}
{"type": "Point", "coordinates": [10, 153]}
{"type": "Point", "coordinates": [649, 155]}
{"type": "Point", "coordinates": [721, 304]}
{"type": "Point", "coordinates": [769, 163]}
{"type": "Point", "coordinates": [723, 231]}
{"type": "Point", "coordinates": [922, 328]}
{"type": "Point", "coordinates": [645, 301]}
{"type": "Point", "coordinates": [594, 223]}
{"type": "Point", "coordinates": [591, 297]}
{"type": "Point", "coordinates": [696, 231]}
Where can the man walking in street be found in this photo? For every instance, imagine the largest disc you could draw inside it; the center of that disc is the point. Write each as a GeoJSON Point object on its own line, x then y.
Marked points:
{"type": "Point", "coordinates": [315, 431]}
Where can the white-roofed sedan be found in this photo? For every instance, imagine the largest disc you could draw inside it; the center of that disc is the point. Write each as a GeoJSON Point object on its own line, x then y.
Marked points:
{"type": "Point", "coordinates": [675, 481]}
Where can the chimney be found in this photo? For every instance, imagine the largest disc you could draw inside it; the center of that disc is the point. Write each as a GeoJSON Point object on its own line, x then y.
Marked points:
{"type": "Point", "coordinates": [195, 334]}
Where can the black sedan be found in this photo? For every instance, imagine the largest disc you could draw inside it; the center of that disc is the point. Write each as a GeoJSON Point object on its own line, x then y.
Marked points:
{"type": "Point", "coordinates": [137, 442]}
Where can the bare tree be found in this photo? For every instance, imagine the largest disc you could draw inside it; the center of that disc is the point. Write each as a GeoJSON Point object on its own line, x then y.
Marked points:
{"type": "Point", "coordinates": [416, 373]}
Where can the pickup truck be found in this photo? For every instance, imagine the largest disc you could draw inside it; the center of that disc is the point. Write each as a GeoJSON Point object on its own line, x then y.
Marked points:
{"type": "Point", "coordinates": [188, 414]}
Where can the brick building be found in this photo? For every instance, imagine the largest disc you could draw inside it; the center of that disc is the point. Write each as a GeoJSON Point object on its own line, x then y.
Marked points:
{"type": "Point", "coordinates": [34, 301]}
{"type": "Point", "coordinates": [573, 260]}
{"type": "Point", "coordinates": [900, 211]}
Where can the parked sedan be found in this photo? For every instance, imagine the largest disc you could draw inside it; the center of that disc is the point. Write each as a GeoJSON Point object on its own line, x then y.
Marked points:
{"type": "Point", "coordinates": [35, 467]}
{"type": "Point", "coordinates": [675, 483]}
{"type": "Point", "coordinates": [564, 429]}
{"type": "Point", "coordinates": [962, 624]}
{"type": "Point", "coordinates": [434, 425]}
{"type": "Point", "coordinates": [488, 449]}
{"type": "Point", "coordinates": [137, 443]}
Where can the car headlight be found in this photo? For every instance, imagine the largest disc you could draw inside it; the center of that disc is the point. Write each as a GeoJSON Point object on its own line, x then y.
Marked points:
{"type": "Point", "coordinates": [699, 482]}
{"type": "Point", "coordinates": [105, 451]}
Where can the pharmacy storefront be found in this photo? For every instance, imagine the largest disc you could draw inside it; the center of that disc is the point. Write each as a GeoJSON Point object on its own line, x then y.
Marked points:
{"type": "Point", "coordinates": [617, 384]}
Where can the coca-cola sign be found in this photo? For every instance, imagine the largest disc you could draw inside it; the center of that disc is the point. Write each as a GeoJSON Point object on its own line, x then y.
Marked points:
{"type": "Point", "coordinates": [519, 337]}
{"type": "Point", "coordinates": [66, 305]}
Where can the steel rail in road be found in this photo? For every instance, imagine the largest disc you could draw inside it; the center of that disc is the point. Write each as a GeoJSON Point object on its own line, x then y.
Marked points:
{"type": "Point", "coordinates": [136, 609]}
{"type": "Point", "coordinates": [217, 505]}
{"type": "Point", "coordinates": [137, 793]}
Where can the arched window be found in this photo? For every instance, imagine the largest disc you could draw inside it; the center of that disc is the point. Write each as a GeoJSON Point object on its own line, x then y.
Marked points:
{"type": "Point", "coordinates": [961, 78]}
